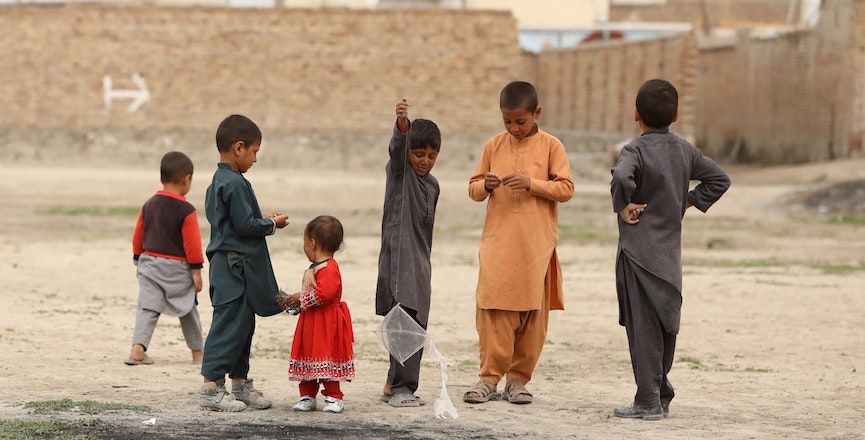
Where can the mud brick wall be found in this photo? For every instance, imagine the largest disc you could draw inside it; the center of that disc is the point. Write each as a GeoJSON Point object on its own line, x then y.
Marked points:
{"type": "Point", "coordinates": [591, 88]}
{"type": "Point", "coordinates": [311, 70]}
{"type": "Point", "coordinates": [726, 12]}
{"type": "Point", "coordinates": [797, 97]}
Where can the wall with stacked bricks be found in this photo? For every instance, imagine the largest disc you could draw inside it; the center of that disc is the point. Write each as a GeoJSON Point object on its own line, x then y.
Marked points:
{"type": "Point", "coordinates": [324, 82]}
{"type": "Point", "coordinates": [309, 77]}
{"type": "Point", "coordinates": [795, 97]}
{"type": "Point", "coordinates": [720, 12]}
{"type": "Point", "coordinates": [590, 89]}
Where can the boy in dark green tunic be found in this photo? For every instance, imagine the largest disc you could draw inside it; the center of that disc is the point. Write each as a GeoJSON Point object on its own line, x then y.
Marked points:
{"type": "Point", "coordinates": [242, 283]}
{"type": "Point", "coordinates": [650, 191]}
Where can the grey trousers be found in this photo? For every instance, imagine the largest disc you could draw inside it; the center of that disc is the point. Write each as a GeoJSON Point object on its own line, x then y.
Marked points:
{"type": "Point", "coordinates": [652, 347]}
{"type": "Point", "coordinates": [190, 324]}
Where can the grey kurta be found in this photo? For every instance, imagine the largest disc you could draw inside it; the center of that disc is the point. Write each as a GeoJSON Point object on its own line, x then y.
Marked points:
{"type": "Point", "coordinates": [404, 271]}
{"type": "Point", "coordinates": [239, 259]}
{"type": "Point", "coordinates": [656, 169]}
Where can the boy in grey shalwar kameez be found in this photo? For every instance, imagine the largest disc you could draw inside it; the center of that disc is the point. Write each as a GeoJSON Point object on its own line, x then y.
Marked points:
{"type": "Point", "coordinates": [404, 268]}
{"type": "Point", "coordinates": [650, 192]}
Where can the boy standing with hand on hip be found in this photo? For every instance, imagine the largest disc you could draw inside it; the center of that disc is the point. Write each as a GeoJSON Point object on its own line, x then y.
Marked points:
{"type": "Point", "coordinates": [242, 283]}
{"type": "Point", "coordinates": [650, 191]}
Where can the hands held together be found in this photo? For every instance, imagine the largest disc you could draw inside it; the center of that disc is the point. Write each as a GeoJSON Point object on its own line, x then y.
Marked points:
{"type": "Point", "coordinates": [513, 181]}
{"type": "Point", "coordinates": [631, 213]}
{"type": "Point", "coordinates": [279, 218]}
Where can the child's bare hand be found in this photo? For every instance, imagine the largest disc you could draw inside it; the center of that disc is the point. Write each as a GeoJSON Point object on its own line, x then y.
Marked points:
{"type": "Point", "coordinates": [402, 109]}
{"type": "Point", "coordinates": [280, 219]}
{"type": "Point", "coordinates": [492, 181]}
{"type": "Point", "coordinates": [402, 115]}
{"type": "Point", "coordinates": [294, 300]}
{"type": "Point", "coordinates": [196, 280]}
{"type": "Point", "coordinates": [631, 213]}
{"type": "Point", "coordinates": [516, 181]}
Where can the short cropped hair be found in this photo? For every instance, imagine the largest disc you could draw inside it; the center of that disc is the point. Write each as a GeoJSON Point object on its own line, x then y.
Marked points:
{"type": "Point", "coordinates": [519, 94]}
{"type": "Point", "coordinates": [657, 103]}
{"type": "Point", "coordinates": [326, 230]}
{"type": "Point", "coordinates": [424, 133]}
{"type": "Point", "coordinates": [174, 167]}
{"type": "Point", "coordinates": [236, 128]}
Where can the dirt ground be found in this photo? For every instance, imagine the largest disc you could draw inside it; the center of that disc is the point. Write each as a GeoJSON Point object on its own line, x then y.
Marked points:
{"type": "Point", "coordinates": [770, 346]}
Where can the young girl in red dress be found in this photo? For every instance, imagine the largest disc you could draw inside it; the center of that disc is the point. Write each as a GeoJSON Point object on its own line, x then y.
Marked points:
{"type": "Point", "coordinates": [321, 352]}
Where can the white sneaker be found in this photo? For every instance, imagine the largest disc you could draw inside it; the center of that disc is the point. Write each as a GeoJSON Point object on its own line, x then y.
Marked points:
{"type": "Point", "coordinates": [305, 403]}
{"type": "Point", "coordinates": [333, 405]}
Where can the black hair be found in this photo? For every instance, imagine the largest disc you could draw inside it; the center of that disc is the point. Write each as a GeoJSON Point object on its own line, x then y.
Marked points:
{"type": "Point", "coordinates": [327, 231]}
{"type": "Point", "coordinates": [519, 94]}
{"type": "Point", "coordinates": [174, 167]}
{"type": "Point", "coordinates": [236, 128]}
{"type": "Point", "coordinates": [424, 133]}
{"type": "Point", "coordinates": [657, 103]}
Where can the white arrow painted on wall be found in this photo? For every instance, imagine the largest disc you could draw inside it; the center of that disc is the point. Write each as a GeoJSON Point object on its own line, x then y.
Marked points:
{"type": "Point", "coordinates": [138, 97]}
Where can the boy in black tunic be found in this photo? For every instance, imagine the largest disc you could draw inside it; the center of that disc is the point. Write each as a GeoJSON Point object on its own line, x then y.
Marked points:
{"type": "Point", "coordinates": [650, 192]}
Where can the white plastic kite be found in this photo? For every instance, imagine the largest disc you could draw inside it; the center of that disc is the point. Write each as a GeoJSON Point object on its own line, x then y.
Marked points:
{"type": "Point", "coordinates": [403, 337]}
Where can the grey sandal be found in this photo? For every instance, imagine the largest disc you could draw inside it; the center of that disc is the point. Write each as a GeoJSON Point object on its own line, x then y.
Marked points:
{"type": "Point", "coordinates": [483, 390]}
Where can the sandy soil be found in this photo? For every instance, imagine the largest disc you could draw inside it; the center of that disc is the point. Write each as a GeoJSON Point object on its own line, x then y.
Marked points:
{"type": "Point", "coordinates": [771, 341]}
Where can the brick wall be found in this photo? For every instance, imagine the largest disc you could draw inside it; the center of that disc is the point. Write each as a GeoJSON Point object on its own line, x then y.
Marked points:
{"type": "Point", "coordinates": [591, 88]}
{"type": "Point", "coordinates": [322, 83]}
{"type": "Point", "coordinates": [290, 70]}
{"type": "Point", "coordinates": [727, 12]}
{"type": "Point", "coordinates": [796, 97]}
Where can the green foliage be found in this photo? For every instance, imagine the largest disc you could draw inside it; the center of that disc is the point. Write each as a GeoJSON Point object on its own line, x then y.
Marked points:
{"type": "Point", "coordinates": [839, 269]}
{"type": "Point", "coordinates": [85, 406]}
{"type": "Point", "coordinates": [587, 232]}
{"type": "Point", "coordinates": [771, 262]}
{"type": "Point", "coordinates": [827, 268]}
{"type": "Point", "coordinates": [694, 362]}
{"type": "Point", "coordinates": [95, 211]}
{"type": "Point", "coordinates": [847, 219]}
{"type": "Point", "coordinates": [24, 430]}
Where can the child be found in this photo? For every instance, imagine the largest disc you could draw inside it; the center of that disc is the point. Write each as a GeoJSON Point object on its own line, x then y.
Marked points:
{"type": "Point", "coordinates": [525, 173]}
{"type": "Point", "coordinates": [242, 284]}
{"type": "Point", "coordinates": [321, 351]}
{"type": "Point", "coordinates": [166, 248]}
{"type": "Point", "coordinates": [404, 269]}
{"type": "Point", "coordinates": [650, 192]}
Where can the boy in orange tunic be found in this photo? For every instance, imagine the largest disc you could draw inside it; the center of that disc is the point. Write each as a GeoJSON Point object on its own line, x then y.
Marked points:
{"type": "Point", "coordinates": [525, 174]}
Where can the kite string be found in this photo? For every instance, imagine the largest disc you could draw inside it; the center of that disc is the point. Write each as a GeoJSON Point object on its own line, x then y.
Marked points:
{"type": "Point", "coordinates": [401, 210]}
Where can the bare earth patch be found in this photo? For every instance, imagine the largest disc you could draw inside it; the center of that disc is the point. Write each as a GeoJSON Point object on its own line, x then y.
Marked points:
{"type": "Point", "coordinates": [770, 347]}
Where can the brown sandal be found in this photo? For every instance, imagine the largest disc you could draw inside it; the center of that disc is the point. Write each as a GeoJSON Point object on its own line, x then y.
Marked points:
{"type": "Point", "coordinates": [483, 391]}
{"type": "Point", "coordinates": [516, 392]}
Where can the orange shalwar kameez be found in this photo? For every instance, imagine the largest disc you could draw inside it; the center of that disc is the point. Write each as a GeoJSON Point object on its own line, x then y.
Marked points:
{"type": "Point", "coordinates": [519, 280]}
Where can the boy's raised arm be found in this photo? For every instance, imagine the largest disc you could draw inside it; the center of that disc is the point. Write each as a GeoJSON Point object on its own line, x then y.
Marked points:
{"type": "Point", "coordinates": [402, 121]}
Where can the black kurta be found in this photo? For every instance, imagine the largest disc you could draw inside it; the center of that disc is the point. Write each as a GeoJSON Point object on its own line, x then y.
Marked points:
{"type": "Point", "coordinates": [404, 268]}
{"type": "Point", "coordinates": [656, 169]}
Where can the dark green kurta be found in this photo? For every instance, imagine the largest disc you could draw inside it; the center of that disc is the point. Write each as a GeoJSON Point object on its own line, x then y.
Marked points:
{"type": "Point", "coordinates": [239, 260]}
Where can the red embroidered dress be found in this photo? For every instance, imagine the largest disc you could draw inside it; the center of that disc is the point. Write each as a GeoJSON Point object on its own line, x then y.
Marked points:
{"type": "Point", "coordinates": [322, 341]}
